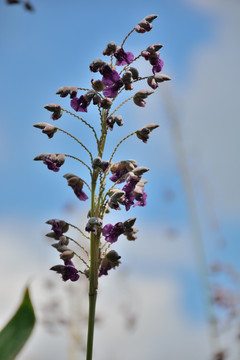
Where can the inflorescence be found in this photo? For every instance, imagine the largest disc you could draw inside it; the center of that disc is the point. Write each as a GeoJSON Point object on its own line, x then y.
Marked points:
{"type": "Point", "coordinates": [102, 94]}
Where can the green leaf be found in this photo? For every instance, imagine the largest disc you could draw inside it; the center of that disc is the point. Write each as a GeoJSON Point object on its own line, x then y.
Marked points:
{"type": "Point", "coordinates": [15, 334]}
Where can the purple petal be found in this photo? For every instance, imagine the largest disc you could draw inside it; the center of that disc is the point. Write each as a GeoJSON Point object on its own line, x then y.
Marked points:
{"type": "Point", "coordinates": [124, 58]}
{"type": "Point", "coordinates": [79, 104]}
{"type": "Point", "coordinates": [110, 92]}
{"type": "Point", "coordinates": [107, 229]}
{"type": "Point", "coordinates": [158, 67]}
{"type": "Point", "coordinates": [141, 200]}
{"type": "Point", "coordinates": [79, 193]}
{"type": "Point", "coordinates": [109, 76]}
{"type": "Point", "coordinates": [50, 164]}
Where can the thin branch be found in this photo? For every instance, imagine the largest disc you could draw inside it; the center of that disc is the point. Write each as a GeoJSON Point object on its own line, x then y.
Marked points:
{"type": "Point", "coordinates": [67, 133]}
{"type": "Point", "coordinates": [84, 121]}
{"type": "Point", "coordinates": [121, 105]}
{"type": "Point", "coordinates": [75, 227]}
{"type": "Point", "coordinates": [127, 36]}
{"type": "Point", "coordinates": [81, 259]}
{"type": "Point", "coordinates": [82, 247]}
{"type": "Point", "coordinates": [75, 158]}
{"type": "Point", "coordinates": [120, 142]}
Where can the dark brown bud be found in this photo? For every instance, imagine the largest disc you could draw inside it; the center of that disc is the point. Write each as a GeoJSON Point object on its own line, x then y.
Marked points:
{"type": "Point", "coordinates": [98, 85]}
{"type": "Point", "coordinates": [106, 103]}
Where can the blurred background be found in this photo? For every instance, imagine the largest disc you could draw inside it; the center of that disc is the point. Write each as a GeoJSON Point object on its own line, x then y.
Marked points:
{"type": "Point", "coordinates": [176, 293]}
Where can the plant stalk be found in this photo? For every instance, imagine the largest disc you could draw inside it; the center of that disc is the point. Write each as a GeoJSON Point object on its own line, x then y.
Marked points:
{"type": "Point", "coordinates": [93, 275]}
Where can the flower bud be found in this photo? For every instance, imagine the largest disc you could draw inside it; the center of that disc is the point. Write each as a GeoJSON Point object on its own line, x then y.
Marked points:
{"type": "Point", "coordinates": [115, 197]}
{"type": "Point", "coordinates": [161, 77]}
{"type": "Point", "coordinates": [98, 85]}
{"type": "Point", "coordinates": [111, 120]}
{"type": "Point", "coordinates": [110, 48]}
{"type": "Point", "coordinates": [140, 95]}
{"type": "Point", "coordinates": [134, 72]}
{"type": "Point", "coordinates": [76, 183]}
{"type": "Point", "coordinates": [52, 107]}
{"type": "Point", "coordinates": [113, 256]}
{"type": "Point", "coordinates": [52, 235]}
{"type": "Point", "coordinates": [55, 109]}
{"type": "Point", "coordinates": [106, 103]}
{"type": "Point", "coordinates": [96, 99]}
{"type": "Point", "coordinates": [67, 255]}
{"type": "Point", "coordinates": [46, 128]}
{"type": "Point", "coordinates": [143, 133]}
{"type": "Point", "coordinates": [150, 18]}
{"type": "Point", "coordinates": [40, 125]}
{"type": "Point", "coordinates": [96, 65]}
{"type": "Point", "coordinates": [157, 78]}
{"type": "Point", "coordinates": [129, 223]}
{"type": "Point", "coordinates": [60, 248]}
{"type": "Point", "coordinates": [63, 240]}
{"type": "Point", "coordinates": [127, 79]}
{"type": "Point", "coordinates": [97, 162]}
{"type": "Point", "coordinates": [67, 90]}
{"type": "Point", "coordinates": [93, 224]}
{"type": "Point", "coordinates": [154, 48]}
{"type": "Point", "coordinates": [58, 226]}
{"type": "Point", "coordinates": [139, 171]}
{"type": "Point", "coordinates": [63, 91]}
{"type": "Point", "coordinates": [143, 26]}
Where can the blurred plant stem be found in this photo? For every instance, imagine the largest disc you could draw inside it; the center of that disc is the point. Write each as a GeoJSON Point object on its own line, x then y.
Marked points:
{"type": "Point", "coordinates": [193, 216]}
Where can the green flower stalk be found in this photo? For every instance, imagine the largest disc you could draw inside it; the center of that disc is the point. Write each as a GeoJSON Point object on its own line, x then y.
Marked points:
{"type": "Point", "coordinates": [128, 186]}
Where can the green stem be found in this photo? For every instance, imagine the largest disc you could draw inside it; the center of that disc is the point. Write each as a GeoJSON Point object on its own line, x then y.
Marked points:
{"type": "Point", "coordinates": [93, 275]}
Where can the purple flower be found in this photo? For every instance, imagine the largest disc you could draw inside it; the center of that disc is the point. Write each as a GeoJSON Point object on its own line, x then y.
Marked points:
{"type": "Point", "coordinates": [123, 58]}
{"type": "Point", "coordinates": [58, 226]}
{"type": "Point", "coordinates": [112, 232]}
{"type": "Point", "coordinates": [104, 269]}
{"type": "Point", "coordinates": [53, 161]}
{"type": "Point", "coordinates": [118, 174]}
{"type": "Point", "coordinates": [110, 76]}
{"type": "Point", "coordinates": [80, 104]}
{"type": "Point", "coordinates": [157, 64]}
{"type": "Point", "coordinates": [76, 184]}
{"type": "Point", "coordinates": [68, 271]}
{"type": "Point", "coordinates": [152, 56]}
{"type": "Point", "coordinates": [141, 199]}
{"type": "Point", "coordinates": [128, 189]}
{"type": "Point", "coordinates": [139, 193]}
{"type": "Point", "coordinates": [110, 261]}
{"type": "Point", "coordinates": [112, 90]}
{"type": "Point", "coordinates": [121, 168]}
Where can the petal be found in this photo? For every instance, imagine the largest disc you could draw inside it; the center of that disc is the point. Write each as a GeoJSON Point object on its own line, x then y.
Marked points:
{"type": "Point", "coordinates": [107, 229]}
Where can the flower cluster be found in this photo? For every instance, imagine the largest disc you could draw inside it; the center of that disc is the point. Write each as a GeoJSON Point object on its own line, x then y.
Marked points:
{"type": "Point", "coordinates": [113, 185]}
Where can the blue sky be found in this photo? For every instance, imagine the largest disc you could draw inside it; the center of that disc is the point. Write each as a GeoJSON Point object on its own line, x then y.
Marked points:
{"type": "Point", "coordinates": [52, 47]}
